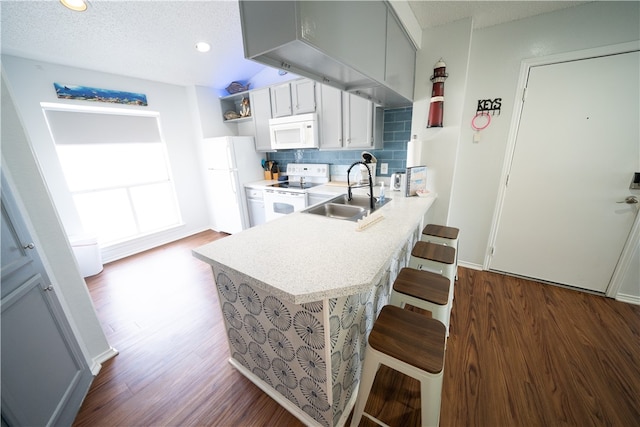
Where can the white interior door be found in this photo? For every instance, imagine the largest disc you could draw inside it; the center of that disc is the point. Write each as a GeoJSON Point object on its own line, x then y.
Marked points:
{"type": "Point", "coordinates": [575, 154]}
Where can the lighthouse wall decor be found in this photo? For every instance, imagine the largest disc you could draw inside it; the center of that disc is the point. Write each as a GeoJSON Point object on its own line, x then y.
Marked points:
{"type": "Point", "coordinates": [437, 95]}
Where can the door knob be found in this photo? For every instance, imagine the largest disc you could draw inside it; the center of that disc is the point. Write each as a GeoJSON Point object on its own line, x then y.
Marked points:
{"type": "Point", "coordinates": [630, 200]}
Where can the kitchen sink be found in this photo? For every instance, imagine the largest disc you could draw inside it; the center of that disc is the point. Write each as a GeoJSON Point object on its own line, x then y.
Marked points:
{"type": "Point", "coordinates": [337, 210]}
{"type": "Point", "coordinates": [342, 208]}
{"type": "Point", "coordinates": [363, 202]}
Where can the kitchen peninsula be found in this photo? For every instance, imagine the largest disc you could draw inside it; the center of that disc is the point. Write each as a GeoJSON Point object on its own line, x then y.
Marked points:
{"type": "Point", "coordinates": [299, 296]}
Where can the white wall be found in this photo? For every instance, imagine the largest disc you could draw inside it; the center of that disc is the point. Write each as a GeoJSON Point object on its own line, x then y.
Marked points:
{"type": "Point", "coordinates": [439, 146]}
{"type": "Point", "coordinates": [51, 241]}
{"type": "Point", "coordinates": [31, 82]}
{"type": "Point", "coordinates": [496, 54]}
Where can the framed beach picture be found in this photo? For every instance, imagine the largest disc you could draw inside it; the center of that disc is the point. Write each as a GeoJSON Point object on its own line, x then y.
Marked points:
{"type": "Point", "coordinates": [86, 93]}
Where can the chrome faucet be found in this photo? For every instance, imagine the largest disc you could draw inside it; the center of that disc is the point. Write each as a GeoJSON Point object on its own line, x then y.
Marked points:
{"type": "Point", "coordinates": [372, 202]}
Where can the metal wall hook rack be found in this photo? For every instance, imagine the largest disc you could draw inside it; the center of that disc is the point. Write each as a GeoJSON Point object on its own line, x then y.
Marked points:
{"type": "Point", "coordinates": [489, 106]}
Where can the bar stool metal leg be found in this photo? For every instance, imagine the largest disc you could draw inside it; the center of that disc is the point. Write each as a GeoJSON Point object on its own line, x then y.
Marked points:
{"type": "Point", "coordinates": [409, 343]}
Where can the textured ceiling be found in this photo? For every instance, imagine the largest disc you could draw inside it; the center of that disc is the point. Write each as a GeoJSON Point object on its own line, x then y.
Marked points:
{"type": "Point", "coordinates": [147, 39]}
{"type": "Point", "coordinates": [155, 40]}
{"type": "Point", "coordinates": [485, 13]}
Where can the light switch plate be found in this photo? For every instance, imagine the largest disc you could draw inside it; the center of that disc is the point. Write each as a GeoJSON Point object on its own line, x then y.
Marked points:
{"type": "Point", "coordinates": [384, 168]}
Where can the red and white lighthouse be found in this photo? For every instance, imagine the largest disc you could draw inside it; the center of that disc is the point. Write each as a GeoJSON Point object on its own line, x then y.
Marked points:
{"type": "Point", "coordinates": [437, 95]}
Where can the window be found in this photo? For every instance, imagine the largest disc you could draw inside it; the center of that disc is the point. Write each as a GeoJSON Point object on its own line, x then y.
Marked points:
{"type": "Point", "coordinates": [117, 172]}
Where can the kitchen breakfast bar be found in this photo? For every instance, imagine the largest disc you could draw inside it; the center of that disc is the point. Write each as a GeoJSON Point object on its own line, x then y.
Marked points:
{"type": "Point", "coordinates": [299, 296]}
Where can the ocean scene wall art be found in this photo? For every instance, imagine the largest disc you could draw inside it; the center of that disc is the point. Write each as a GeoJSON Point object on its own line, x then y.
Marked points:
{"type": "Point", "coordinates": [86, 93]}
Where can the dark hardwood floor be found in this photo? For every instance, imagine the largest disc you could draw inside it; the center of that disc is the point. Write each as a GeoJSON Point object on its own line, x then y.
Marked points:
{"type": "Point", "coordinates": [520, 353]}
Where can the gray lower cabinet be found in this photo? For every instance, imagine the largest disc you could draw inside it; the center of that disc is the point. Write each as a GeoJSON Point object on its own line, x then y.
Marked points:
{"type": "Point", "coordinates": [261, 113]}
{"type": "Point", "coordinates": [44, 375]}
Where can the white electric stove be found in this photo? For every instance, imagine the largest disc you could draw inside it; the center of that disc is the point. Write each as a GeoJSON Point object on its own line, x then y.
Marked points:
{"type": "Point", "coordinates": [290, 196]}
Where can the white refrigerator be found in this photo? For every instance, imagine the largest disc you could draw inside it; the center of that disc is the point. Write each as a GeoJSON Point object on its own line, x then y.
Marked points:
{"type": "Point", "coordinates": [230, 162]}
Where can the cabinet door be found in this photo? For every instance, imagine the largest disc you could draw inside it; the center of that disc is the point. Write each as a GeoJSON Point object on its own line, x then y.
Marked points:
{"type": "Point", "coordinates": [330, 112]}
{"type": "Point", "coordinates": [281, 100]}
{"type": "Point", "coordinates": [44, 375]}
{"type": "Point", "coordinates": [401, 59]}
{"type": "Point", "coordinates": [303, 96]}
{"type": "Point", "coordinates": [261, 112]}
{"type": "Point", "coordinates": [351, 32]}
{"type": "Point", "coordinates": [358, 121]}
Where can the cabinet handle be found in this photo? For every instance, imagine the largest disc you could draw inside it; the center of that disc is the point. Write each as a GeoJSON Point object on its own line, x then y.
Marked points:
{"type": "Point", "coordinates": [29, 246]}
{"type": "Point", "coordinates": [48, 289]}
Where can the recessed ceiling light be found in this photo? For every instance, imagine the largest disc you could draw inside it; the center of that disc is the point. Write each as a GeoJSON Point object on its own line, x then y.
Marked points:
{"type": "Point", "coordinates": [76, 5]}
{"type": "Point", "coordinates": [203, 47]}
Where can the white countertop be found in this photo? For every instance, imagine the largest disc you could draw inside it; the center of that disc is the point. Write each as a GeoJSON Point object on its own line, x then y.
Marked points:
{"type": "Point", "coordinates": [303, 257]}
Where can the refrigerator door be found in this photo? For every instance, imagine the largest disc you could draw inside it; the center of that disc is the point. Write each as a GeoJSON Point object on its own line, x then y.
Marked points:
{"type": "Point", "coordinates": [217, 153]}
{"type": "Point", "coordinates": [227, 213]}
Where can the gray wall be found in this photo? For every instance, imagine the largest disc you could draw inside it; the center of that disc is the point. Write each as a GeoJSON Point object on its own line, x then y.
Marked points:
{"type": "Point", "coordinates": [489, 68]}
{"type": "Point", "coordinates": [24, 170]}
{"type": "Point", "coordinates": [31, 82]}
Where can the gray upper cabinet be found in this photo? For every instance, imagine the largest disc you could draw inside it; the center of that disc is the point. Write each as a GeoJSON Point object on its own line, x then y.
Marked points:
{"type": "Point", "coordinates": [296, 97]}
{"type": "Point", "coordinates": [343, 44]}
{"type": "Point", "coordinates": [400, 60]}
{"type": "Point", "coordinates": [261, 112]}
{"type": "Point", "coordinates": [358, 122]}
{"type": "Point", "coordinates": [281, 100]}
{"type": "Point", "coordinates": [348, 121]}
{"type": "Point", "coordinates": [330, 117]}
{"type": "Point", "coordinates": [351, 32]}
{"type": "Point", "coordinates": [303, 96]}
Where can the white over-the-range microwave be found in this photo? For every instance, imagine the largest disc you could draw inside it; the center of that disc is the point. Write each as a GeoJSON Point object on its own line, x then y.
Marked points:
{"type": "Point", "coordinates": [294, 132]}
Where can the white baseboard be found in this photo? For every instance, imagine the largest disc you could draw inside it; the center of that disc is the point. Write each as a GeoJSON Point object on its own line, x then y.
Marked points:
{"type": "Point", "coordinates": [132, 247]}
{"type": "Point", "coordinates": [631, 299]}
{"type": "Point", "coordinates": [101, 358]}
{"type": "Point", "coordinates": [282, 401]}
{"type": "Point", "coordinates": [286, 403]}
{"type": "Point", "coordinates": [470, 265]}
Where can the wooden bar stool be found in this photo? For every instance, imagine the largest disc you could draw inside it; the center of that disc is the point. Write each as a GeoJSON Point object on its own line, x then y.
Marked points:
{"type": "Point", "coordinates": [443, 235]}
{"type": "Point", "coordinates": [434, 257]}
{"type": "Point", "coordinates": [426, 290]}
{"type": "Point", "coordinates": [409, 343]}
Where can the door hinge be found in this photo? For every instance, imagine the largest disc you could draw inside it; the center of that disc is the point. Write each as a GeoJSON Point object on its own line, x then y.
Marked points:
{"type": "Point", "coordinates": [493, 249]}
{"type": "Point", "coordinates": [524, 94]}
{"type": "Point", "coordinates": [506, 183]}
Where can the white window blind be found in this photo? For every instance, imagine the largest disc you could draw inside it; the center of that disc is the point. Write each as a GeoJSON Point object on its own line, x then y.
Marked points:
{"type": "Point", "coordinates": [117, 172]}
{"type": "Point", "coordinates": [75, 127]}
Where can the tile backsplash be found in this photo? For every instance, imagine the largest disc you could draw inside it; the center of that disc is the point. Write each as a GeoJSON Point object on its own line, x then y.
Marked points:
{"type": "Point", "coordinates": [397, 131]}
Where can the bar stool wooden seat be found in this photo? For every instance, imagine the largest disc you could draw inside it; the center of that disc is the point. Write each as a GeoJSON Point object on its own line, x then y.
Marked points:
{"type": "Point", "coordinates": [440, 234]}
{"type": "Point", "coordinates": [434, 257]}
{"type": "Point", "coordinates": [426, 290]}
{"type": "Point", "coordinates": [443, 235]}
{"type": "Point", "coordinates": [410, 343]}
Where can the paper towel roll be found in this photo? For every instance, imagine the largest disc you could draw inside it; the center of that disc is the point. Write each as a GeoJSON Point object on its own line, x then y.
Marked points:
{"type": "Point", "coordinates": [414, 151]}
